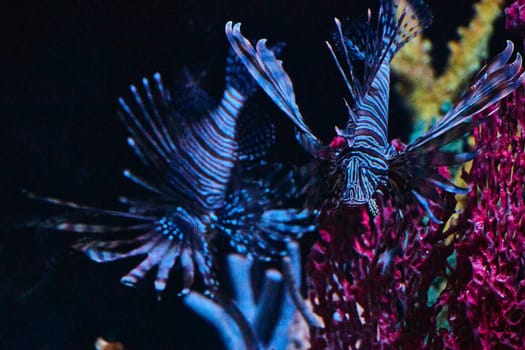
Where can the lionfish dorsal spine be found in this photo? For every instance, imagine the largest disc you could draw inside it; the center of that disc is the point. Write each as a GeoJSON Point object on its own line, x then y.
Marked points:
{"type": "Point", "coordinates": [268, 72]}
{"type": "Point", "coordinates": [373, 47]}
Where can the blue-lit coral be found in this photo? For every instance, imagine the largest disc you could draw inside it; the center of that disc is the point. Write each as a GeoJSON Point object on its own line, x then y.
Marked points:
{"type": "Point", "coordinates": [246, 321]}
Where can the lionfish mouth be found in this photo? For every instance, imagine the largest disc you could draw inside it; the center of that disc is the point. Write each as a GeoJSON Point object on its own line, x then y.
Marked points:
{"type": "Point", "coordinates": [353, 196]}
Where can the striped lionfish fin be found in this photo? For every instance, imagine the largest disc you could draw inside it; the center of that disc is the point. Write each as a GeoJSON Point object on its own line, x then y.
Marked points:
{"type": "Point", "coordinates": [255, 133]}
{"type": "Point", "coordinates": [267, 70]}
{"type": "Point", "coordinates": [111, 242]}
{"type": "Point", "coordinates": [255, 216]}
{"type": "Point", "coordinates": [160, 253]}
{"type": "Point", "coordinates": [62, 225]}
{"type": "Point", "coordinates": [155, 128]}
{"type": "Point", "coordinates": [238, 77]}
{"type": "Point", "coordinates": [367, 50]}
{"type": "Point", "coordinates": [192, 156]}
{"type": "Point", "coordinates": [492, 83]}
{"type": "Point", "coordinates": [415, 166]}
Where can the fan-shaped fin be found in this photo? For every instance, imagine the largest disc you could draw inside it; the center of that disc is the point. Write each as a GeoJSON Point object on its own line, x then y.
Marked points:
{"type": "Point", "coordinates": [269, 73]}
{"type": "Point", "coordinates": [416, 166]}
{"type": "Point", "coordinates": [255, 217]}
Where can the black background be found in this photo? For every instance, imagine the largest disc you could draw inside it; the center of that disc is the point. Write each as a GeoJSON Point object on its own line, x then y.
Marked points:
{"type": "Point", "coordinates": [62, 67]}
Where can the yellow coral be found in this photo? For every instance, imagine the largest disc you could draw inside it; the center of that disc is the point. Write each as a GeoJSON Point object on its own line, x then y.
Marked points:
{"type": "Point", "coordinates": [426, 93]}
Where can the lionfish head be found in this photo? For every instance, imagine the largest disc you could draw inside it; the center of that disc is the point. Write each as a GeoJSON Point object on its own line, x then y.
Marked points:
{"type": "Point", "coordinates": [359, 185]}
{"type": "Point", "coordinates": [356, 176]}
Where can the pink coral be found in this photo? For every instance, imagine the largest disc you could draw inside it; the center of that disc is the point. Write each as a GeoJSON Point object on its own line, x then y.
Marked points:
{"type": "Point", "coordinates": [401, 281]}
{"type": "Point", "coordinates": [373, 279]}
{"type": "Point", "coordinates": [371, 276]}
{"type": "Point", "coordinates": [515, 17]}
{"type": "Point", "coordinates": [488, 286]}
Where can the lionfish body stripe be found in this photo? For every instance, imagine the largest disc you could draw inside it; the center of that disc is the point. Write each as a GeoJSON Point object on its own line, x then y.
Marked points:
{"type": "Point", "coordinates": [201, 161]}
{"type": "Point", "coordinates": [366, 164]}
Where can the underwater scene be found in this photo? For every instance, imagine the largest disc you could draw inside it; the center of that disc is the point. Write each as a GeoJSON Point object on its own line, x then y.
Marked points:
{"type": "Point", "coordinates": [263, 175]}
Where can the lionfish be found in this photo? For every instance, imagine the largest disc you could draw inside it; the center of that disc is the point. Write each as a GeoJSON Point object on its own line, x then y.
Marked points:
{"type": "Point", "coordinates": [365, 164]}
{"type": "Point", "coordinates": [204, 164]}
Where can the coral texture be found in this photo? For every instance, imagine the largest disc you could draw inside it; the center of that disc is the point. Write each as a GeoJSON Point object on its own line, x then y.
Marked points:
{"type": "Point", "coordinates": [371, 276]}
{"type": "Point", "coordinates": [399, 281]}
{"type": "Point", "coordinates": [485, 293]}
{"type": "Point", "coordinates": [426, 92]}
{"type": "Point", "coordinates": [515, 17]}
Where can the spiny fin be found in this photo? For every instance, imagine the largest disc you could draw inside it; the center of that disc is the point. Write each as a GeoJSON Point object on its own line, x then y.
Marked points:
{"type": "Point", "coordinates": [267, 70]}
{"type": "Point", "coordinates": [374, 45]}
{"type": "Point", "coordinates": [255, 135]}
{"type": "Point", "coordinates": [495, 81]}
{"type": "Point", "coordinates": [255, 220]}
{"type": "Point", "coordinates": [156, 130]}
{"type": "Point", "coordinates": [415, 167]}
{"type": "Point", "coordinates": [238, 77]}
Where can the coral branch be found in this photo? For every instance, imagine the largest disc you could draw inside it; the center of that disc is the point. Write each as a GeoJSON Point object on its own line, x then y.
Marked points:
{"type": "Point", "coordinates": [397, 281]}
{"type": "Point", "coordinates": [247, 322]}
{"type": "Point", "coordinates": [216, 315]}
{"type": "Point", "coordinates": [424, 92]}
{"type": "Point", "coordinates": [485, 291]}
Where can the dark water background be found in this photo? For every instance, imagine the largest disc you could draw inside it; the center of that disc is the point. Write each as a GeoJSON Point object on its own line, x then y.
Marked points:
{"type": "Point", "coordinates": [63, 66]}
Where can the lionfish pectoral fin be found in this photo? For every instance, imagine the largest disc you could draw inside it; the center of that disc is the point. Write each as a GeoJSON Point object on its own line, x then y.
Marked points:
{"type": "Point", "coordinates": [86, 208]}
{"type": "Point", "coordinates": [494, 82]}
{"type": "Point", "coordinates": [425, 204]}
{"type": "Point", "coordinates": [267, 70]}
{"type": "Point", "coordinates": [420, 160]}
{"type": "Point", "coordinates": [238, 77]}
{"type": "Point", "coordinates": [418, 175]}
{"type": "Point", "coordinates": [255, 134]}
{"type": "Point", "coordinates": [262, 234]}
{"type": "Point", "coordinates": [157, 123]}
{"type": "Point", "coordinates": [255, 217]}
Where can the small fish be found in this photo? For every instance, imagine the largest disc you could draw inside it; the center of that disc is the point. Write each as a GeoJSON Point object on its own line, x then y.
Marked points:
{"type": "Point", "coordinates": [201, 162]}
{"type": "Point", "coordinates": [364, 164]}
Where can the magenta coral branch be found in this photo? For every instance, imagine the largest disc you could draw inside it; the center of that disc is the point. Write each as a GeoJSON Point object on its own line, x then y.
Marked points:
{"type": "Point", "coordinates": [371, 276]}
{"type": "Point", "coordinates": [515, 18]}
{"type": "Point", "coordinates": [489, 285]}
{"type": "Point", "coordinates": [398, 281]}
